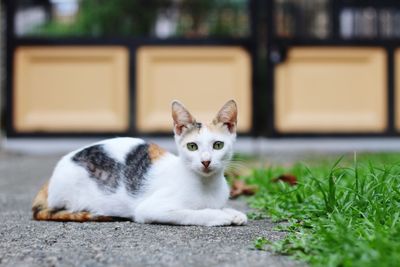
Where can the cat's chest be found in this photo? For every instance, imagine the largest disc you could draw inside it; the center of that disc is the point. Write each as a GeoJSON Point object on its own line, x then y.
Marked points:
{"type": "Point", "coordinates": [202, 197]}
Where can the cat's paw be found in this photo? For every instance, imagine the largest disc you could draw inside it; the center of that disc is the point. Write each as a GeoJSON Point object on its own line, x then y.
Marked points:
{"type": "Point", "coordinates": [237, 217]}
{"type": "Point", "coordinates": [222, 219]}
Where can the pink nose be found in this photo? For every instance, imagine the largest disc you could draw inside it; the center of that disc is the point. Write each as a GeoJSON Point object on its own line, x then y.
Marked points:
{"type": "Point", "coordinates": [206, 163]}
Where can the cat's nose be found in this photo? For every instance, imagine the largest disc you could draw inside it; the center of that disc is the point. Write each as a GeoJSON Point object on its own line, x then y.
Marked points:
{"type": "Point", "coordinates": [206, 163]}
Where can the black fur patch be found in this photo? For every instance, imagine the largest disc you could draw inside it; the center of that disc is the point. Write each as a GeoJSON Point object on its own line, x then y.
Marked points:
{"type": "Point", "coordinates": [54, 211]}
{"type": "Point", "coordinates": [137, 163]}
{"type": "Point", "coordinates": [109, 173]}
{"type": "Point", "coordinates": [102, 168]}
{"type": "Point", "coordinates": [198, 125]}
{"type": "Point", "coordinates": [36, 210]}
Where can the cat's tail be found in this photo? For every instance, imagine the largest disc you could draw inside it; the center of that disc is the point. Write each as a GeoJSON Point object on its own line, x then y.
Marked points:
{"type": "Point", "coordinates": [42, 212]}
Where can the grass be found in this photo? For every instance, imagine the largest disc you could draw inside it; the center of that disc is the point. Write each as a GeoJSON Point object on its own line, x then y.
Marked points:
{"type": "Point", "coordinates": [341, 213]}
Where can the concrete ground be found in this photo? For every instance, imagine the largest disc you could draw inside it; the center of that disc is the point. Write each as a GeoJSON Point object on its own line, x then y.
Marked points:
{"type": "Point", "coordinates": [24, 242]}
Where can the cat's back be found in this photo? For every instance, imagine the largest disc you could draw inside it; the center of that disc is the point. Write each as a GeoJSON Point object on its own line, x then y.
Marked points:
{"type": "Point", "coordinates": [111, 170]}
{"type": "Point", "coordinates": [115, 147]}
{"type": "Point", "coordinates": [121, 155]}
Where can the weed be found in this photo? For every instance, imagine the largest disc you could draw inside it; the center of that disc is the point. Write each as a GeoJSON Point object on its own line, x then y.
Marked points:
{"type": "Point", "coordinates": [346, 214]}
{"type": "Point", "coordinates": [260, 243]}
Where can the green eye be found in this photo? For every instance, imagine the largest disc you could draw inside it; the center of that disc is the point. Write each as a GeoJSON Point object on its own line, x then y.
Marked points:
{"type": "Point", "coordinates": [192, 146]}
{"type": "Point", "coordinates": [218, 145]}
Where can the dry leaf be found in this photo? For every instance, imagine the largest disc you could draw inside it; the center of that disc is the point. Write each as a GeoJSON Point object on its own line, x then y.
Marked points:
{"type": "Point", "coordinates": [239, 187]}
{"type": "Point", "coordinates": [286, 178]}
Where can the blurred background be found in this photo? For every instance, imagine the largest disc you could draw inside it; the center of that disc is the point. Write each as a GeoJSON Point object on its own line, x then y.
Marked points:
{"type": "Point", "coordinates": [307, 70]}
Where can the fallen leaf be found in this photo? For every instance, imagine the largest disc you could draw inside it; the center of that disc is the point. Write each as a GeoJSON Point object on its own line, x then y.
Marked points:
{"type": "Point", "coordinates": [286, 178]}
{"type": "Point", "coordinates": [239, 187]}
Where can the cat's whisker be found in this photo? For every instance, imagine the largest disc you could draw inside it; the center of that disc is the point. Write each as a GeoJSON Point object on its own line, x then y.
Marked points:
{"type": "Point", "coordinates": [236, 169]}
{"type": "Point", "coordinates": [237, 165]}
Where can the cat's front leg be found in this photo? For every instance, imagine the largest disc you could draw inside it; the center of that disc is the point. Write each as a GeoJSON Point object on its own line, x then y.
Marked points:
{"type": "Point", "coordinates": [204, 217]}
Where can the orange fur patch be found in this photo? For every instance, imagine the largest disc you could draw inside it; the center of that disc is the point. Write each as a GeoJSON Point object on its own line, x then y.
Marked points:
{"type": "Point", "coordinates": [63, 216]}
{"type": "Point", "coordinates": [40, 201]}
{"type": "Point", "coordinates": [41, 211]}
{"type": "Point", "coordinates": [155, 152]}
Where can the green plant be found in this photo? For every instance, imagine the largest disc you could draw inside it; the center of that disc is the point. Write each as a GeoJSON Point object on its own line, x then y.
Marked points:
{"type": "Point", "coordinates": [196, 18]}
{"type": "Point", "coordinates": [109, 18]}
{"type": "Point", "coordinates": [339, 215]}
{"type": "Point", "coordinates": [260, 243]}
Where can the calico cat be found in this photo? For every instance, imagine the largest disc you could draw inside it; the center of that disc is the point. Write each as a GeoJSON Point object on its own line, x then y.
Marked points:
{"type": "Point", "coordinates": [129, 178]}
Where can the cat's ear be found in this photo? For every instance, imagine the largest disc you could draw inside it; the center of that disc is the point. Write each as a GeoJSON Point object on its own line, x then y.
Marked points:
{"type": "Point", "coordinates": [181, 116]}
{"type": "Point", "coordinates": [227, 116]}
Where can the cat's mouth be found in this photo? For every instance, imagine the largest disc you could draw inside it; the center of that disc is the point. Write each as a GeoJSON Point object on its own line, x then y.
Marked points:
{"type": "Point", "coordinates": [207, 170]}
{"type": "Point", "coordinates": [203, 171]}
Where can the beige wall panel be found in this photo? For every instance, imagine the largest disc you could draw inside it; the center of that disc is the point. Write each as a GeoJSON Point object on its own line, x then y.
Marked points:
{"type": "Point", "coordinates": [67, 89]}
{"type": "Point", "coordinates": [203, 78]}
{"type": "Point", "coordinates": [331, 90]}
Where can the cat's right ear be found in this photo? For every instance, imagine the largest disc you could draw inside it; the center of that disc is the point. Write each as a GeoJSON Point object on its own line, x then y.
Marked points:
{"type": "Point", "coordinates": [181, 116]}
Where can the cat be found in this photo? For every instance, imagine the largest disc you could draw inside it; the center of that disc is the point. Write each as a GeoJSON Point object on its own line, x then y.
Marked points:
{"type": "Point", "coordinates": [129, 178]}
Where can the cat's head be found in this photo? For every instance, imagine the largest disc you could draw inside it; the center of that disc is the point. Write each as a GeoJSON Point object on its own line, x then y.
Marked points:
{"type": "Point", "coordinates": [206, 148]}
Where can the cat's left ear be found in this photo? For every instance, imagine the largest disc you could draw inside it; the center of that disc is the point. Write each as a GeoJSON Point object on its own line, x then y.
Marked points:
{"type": "Point", "coordinates": [228, 116]}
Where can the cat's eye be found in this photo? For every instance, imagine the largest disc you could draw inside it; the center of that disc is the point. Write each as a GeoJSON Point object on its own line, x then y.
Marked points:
{"type": "Point", "coordinates": [192, 146]}
{"type": "Point", "coordinates": [218, 145]}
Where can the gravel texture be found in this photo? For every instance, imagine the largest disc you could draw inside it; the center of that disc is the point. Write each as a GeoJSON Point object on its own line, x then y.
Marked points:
{"type": "Point", "coordinates": [24, 242]}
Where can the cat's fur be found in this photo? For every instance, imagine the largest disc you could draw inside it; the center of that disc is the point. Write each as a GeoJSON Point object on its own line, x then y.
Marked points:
{"type": "Point", "coordinates": [129, 178]}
